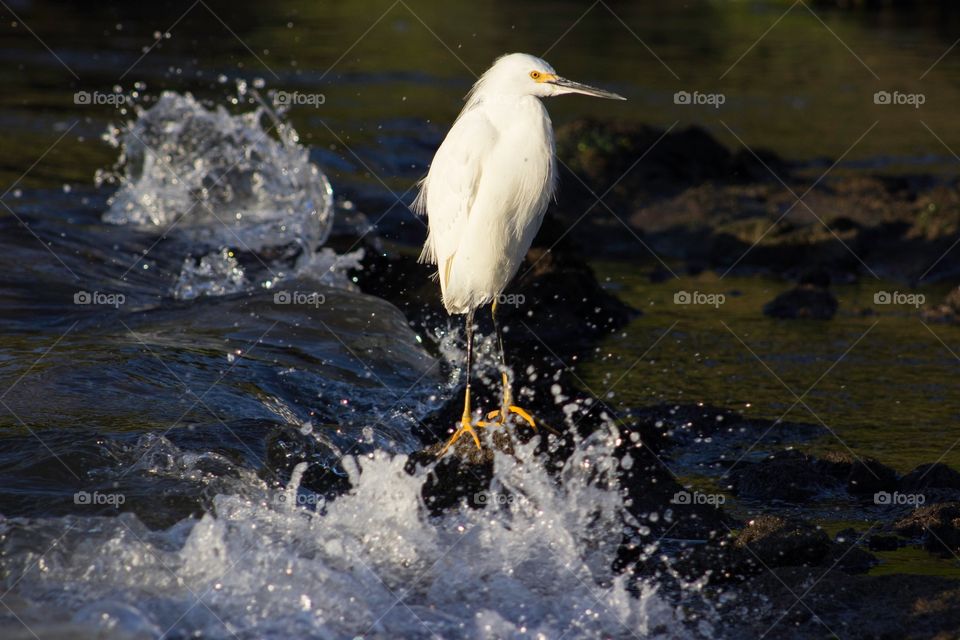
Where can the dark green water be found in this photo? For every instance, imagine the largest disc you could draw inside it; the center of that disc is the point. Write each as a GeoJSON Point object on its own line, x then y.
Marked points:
{"type": "Point", "coordinates": [879, 377]}
{"type": "Point", "coordinates": [805, 89]}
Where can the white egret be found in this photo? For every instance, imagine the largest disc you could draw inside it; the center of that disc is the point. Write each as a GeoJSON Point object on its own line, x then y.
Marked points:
{"type": "Point", "coordinates": [485, 195]}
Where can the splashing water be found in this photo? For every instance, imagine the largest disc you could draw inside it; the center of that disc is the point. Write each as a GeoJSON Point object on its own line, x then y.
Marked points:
{"type": "Point", "coordinates": [372, 563]}
{"type": "Point", "coordinates": [220, 183]}
{"type": "Point", "coordinates": [267, 562]}
{"type": "Point", "coordinates": [223, 175]}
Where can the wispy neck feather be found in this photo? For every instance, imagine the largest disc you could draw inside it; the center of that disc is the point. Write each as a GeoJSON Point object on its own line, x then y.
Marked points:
{"type": "Point", "coordinates": [476, 92]}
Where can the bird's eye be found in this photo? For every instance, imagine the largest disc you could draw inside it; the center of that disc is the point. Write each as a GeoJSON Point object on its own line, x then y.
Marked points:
{"type": "Point", "coordinates": [535, 75]}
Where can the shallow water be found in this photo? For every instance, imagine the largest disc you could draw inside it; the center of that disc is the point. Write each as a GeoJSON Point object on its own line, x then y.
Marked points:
{"type": "Point", "coordinates": [169, 397]}
{"type": "Point", "coordinates": [878, 376]}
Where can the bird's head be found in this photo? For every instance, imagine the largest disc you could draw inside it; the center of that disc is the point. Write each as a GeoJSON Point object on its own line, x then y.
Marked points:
{"type": "Point", "coordinates": [523, 74]}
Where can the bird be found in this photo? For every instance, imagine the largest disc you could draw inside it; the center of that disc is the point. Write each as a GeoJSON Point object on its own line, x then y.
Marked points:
{"type": "Point", "coordinates": [484, 197]}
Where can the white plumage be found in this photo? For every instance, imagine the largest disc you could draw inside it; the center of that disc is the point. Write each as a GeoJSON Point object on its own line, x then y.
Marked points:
{"type": "Point", "coordinates": [488, 188]}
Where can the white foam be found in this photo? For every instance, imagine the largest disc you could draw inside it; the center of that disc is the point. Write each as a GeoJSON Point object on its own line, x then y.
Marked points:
{"type": "Point", "coordinates": [373, 563]}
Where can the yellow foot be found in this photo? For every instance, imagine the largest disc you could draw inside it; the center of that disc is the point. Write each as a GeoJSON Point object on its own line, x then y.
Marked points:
{"type": "Point", "coordinates": [501, 419]}
{"type": "Point", "coordinates": [465, 427]}
{"type": "Point", "coordinates": [523, 413]}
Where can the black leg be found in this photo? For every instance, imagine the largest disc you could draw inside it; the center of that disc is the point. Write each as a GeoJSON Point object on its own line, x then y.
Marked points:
{"type": "Point", "coordinates": [506, 396]}
{"type": "Point", "coordinates": [466, 396]}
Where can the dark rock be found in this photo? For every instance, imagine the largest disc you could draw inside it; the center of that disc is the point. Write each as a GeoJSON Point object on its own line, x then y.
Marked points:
{"type": "Point", "coordinates": [680, 423]}
{"type": "Point", "coordinates": [884, 543]}
{"type": "Point", "coordinates": [937, 525]}
{"type": "Point", "coordinates": [805, 301]}
{"type": "Point", "coordinates": [649, 161]}
{"type": "Point", "coordinates": [774, 541]}
{"type": "Point", "coordinates": [572, 309]}
{"type": "Point", "coordinates": [602, 152]}
{"type": "Point", "coordinates": [766, 542]}
{"type": "Point", "coordinates": [452, 480]}
{"type": "Point", "coordinates": [848, 555]}
{"type": "Point", "coordinates": [862, 475]}
{"type": "Point", "coordinates": [850, 558]}
{"type": "Point", "coordinates": [817, 278]}
{"type": "Point", "coordinates": [655, 498]}
{"type": "Point", "coordinates": [789, 475]}
{"type": "Point", "coordinates": [930, 476]}
{"type": "Point", "coordinates": [794, 476]}
{"type": "Point", "coordinates": [864, 607]}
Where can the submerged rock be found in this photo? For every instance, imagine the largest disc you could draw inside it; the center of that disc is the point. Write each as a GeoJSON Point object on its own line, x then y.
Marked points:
{"type": "Point", "coordinates": [811, 299]}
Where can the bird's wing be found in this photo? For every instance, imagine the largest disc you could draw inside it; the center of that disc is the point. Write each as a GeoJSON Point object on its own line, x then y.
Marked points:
{"type": "Point", "coordinates": [450, 188]}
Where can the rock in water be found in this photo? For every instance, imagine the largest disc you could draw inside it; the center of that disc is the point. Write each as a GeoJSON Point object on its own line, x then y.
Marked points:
{"type": "Point", "coordinates": [810, 299]}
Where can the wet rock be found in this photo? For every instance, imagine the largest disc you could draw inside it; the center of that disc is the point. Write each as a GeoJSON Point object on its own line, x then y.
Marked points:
{"type": "Point", "coordinates": [766, 542]}
{"type": "Point", "coordinates": [553, 311]}
{"type": "Point", "coordinates": [775, 541]}
{"type": "Point", "coordinates": [555, 299]}
{"type": "Point", "coordinates": [884, 543]}
{"type": "Point", "coordinates": [850, 557]}
{"type": "Point", "coordinates": [655, 498]}
{"type": "Point", "coordinates": [794, 476]}
{"type": "Point", "coordinates": [650, 161]}
{"type": "Point", "coordinates": [453, 479]}
{"type": "Point", "coordinates": [558, 300]}
{"type": "Point", "coordinates": [789, 475]}
{"type": "Point", "coordinates": [936, 525]}
{"type": "Point", "coordinates": [930, 476]}
{"type": "Point", "coordinates": [809, 300]}
{"type": "Point", "coordinates": [860, 474]}
{"type": "Point", "coordinates": [836, 604]}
